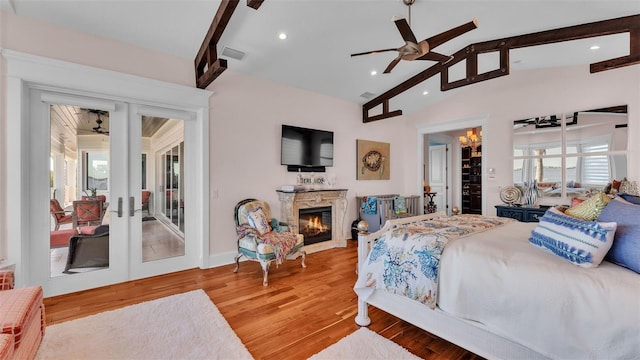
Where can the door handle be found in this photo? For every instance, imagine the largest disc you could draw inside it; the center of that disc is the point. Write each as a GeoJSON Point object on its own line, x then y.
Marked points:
{"type": "Point", "coordinates": [132, 202]}
{"type": "Point", "coordinates": [120, 206]}
{"type": "Point", "coordinates": [119, 211]}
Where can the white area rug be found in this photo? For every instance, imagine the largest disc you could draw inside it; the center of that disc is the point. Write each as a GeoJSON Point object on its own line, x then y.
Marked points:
{"type": "Point", "coordinates": [364, 344]}
{"type": "Point", "coordinates": [182, 326]}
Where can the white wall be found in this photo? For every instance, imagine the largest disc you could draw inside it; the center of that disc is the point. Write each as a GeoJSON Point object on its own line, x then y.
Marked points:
{"type": "Point", "coordinates": [531, 93]}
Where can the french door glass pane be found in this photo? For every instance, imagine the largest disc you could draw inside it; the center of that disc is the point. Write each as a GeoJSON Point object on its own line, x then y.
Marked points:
{"type": "Point", "coordinates": [163, 224]}
{"type": "Point", "coordinates": [79, 188]}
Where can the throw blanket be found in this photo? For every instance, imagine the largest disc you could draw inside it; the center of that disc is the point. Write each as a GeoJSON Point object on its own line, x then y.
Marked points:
{"type": "Point", "coordinates": [370, 205]}
{"type": "Point", "coordinates": [281, 242]}
{"type": "Point", "coordinates": [405, 260]}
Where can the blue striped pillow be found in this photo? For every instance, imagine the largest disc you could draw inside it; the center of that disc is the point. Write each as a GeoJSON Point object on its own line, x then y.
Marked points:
{"type": "Point", "coordinates": [584, 243]}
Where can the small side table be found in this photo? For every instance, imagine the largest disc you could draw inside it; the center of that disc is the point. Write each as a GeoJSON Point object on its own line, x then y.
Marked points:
{"type": "Point", "coordinates": [431, 207]}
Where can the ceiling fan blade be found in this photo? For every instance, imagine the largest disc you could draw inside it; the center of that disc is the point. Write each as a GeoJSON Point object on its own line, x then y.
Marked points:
{"type": "Point", "coordinates": [451, 33]}
{"type": "Point", "coordinates": [374, 52]}
{"type": "Point", "coordinates": [405, 30]}
{"type": "Point", "coordinates": [434, 56]}
{"type": "Point", "coordinates": [392, 64]}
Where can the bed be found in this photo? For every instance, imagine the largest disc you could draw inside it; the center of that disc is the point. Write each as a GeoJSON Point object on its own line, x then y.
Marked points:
{"type": "Point", "coordinates": [500, 297]}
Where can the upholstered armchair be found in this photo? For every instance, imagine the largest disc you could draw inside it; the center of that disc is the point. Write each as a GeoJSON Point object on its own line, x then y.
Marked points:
{"type": "Point", "coordinates": [60, 216]}
{"type": "Point", "coordinates": [263, 239]}
{"type": "Point", "coordinates": [89, 249]}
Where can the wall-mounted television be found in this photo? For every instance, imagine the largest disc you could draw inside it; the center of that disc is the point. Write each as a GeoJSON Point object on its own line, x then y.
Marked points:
{"type": "Point", "coordinates": [305, 149]}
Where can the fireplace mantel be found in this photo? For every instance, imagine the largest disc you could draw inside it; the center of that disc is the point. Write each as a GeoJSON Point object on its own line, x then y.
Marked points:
{"type": "Point", "coordinates": [292, 202]}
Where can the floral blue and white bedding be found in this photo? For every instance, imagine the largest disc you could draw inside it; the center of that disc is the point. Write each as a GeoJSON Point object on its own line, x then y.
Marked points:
{"type": "Point", "coordinates": [498, 279]}
{"type": "Point", "coordinates": [405, 260]}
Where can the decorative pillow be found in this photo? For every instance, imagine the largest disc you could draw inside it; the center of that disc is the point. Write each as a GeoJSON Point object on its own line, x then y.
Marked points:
{"type": "Point", "coordinates": [615, 185]}
{"type": "Point", "coordinates": [584, 243]}
{"type": "Point", "coordinates": [575, 201]}
{"type": "Point", "coordinates": [399, 205]}
{"type": "Point", "coordinates": [87, 230]}
{"type": "Point", "coordinates": [634, 199]}
{"type": "Point", "coordinates": [629, 187]}
{"type": "Point", "coordinates": [626, 243]}
{"type": "Point", "coordinates": [589, 209]}
{"type": "Point", "coordinates": [258, 220]}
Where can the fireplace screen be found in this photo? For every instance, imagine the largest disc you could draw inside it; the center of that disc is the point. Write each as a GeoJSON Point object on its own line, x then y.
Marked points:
{"type": "Point", "coordinates": [315, 224]}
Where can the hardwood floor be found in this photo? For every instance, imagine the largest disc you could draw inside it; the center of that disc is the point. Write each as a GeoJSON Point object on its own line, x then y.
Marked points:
{"type": "Point", "coordinates": [301, 312]}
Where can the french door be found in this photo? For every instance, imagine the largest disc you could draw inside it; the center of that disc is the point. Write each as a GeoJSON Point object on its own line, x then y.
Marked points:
{"type": "Point", "coordinates": [113, 155]}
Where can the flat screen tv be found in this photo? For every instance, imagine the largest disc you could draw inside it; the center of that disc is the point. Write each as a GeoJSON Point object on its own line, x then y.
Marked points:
{"type": "Point", "coordinates": [305, 149]}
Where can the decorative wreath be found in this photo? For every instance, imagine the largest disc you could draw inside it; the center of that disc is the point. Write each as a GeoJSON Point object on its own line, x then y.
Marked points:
{"type": "Point", "coordinates": [373, 160]}
{"type": "Point", "coordinates": [510, 195]}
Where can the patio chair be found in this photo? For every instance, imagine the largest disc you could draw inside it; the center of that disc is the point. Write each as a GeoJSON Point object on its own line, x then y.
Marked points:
{"type": "Point", "coordinates": [59, 214]}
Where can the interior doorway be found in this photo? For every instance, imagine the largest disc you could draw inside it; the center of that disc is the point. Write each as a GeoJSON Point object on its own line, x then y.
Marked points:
{"type": "Point", "coordinates": [432, 139]}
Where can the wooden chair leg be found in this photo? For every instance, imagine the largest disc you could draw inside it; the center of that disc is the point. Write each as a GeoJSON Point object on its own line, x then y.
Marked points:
{"type": "Point", "coordinates": [237, 263]}
{"type": "Point", "coordinates": [265, 272]}
{"type": "Point", "coordinates": [304, 256]}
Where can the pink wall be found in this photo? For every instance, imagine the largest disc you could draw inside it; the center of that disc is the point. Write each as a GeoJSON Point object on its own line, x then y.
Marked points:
{"type": "Point", "coordinates": [247, 114]}
{"type": "Point", "coordinates": [245, 117]}
{"type": "Point", "coordinates": [35, 37]}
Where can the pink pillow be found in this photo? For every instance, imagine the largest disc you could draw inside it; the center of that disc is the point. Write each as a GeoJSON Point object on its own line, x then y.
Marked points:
{"type": "Point", "coordinates": [87, 230]}
{"type": "Point", "coordinates": [575, 201]}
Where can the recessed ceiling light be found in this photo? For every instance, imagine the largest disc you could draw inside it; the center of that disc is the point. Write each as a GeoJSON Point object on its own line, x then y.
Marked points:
{"type": "Point", "coordinates": [373, 72]}
{"type": "Point", "coordinates": [594, 47]}
{"type": "Point", "coordinates": [425, 92]}
{"type": "Point", "coordinates": [282, 36]}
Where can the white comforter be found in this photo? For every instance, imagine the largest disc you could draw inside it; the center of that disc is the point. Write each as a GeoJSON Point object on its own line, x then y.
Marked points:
{"type": "Point", "coordinates": [540, 300]}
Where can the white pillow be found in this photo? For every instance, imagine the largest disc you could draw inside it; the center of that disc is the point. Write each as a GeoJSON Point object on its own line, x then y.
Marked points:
{"type": "Point", "coordinates": [584, 243]}
{"type": "Point", "coordinates": [258, 220]}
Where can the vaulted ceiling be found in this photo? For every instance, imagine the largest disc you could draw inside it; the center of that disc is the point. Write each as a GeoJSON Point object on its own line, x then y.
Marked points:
{"type": "Point", "coordinates": [323, 33]}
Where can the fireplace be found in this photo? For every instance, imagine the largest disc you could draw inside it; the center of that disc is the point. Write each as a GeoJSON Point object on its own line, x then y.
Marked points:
{"type": "Point", "coordinates": [315, 224]}
{"type": "Point", "coordinates": [333, 205]}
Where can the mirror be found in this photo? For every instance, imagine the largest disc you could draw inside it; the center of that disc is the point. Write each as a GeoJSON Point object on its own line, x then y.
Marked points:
{"type": "Point", "coordinates": [571, 154]}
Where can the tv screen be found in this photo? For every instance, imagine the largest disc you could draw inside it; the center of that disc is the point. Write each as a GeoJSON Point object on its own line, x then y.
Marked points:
{"type": "Point", "coordinates": [306, 147]}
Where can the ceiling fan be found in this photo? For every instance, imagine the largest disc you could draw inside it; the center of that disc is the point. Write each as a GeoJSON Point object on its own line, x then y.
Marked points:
{"type": "Point", "coordinates": [414, 50]}
{"type": "Point", "coordinates": [98, 129]}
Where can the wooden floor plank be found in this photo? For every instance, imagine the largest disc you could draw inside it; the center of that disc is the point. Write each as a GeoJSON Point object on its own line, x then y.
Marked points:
{"type": "Point", "coordinates": [300, 312]}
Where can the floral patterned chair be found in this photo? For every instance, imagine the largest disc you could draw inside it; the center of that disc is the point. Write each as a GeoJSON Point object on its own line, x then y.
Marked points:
{"type": "Point", "coordinates": [263, 239]}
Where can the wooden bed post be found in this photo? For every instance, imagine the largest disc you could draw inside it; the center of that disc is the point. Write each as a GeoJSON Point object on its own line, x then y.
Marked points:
{"type": "Point", "coordinates": [362, 318]}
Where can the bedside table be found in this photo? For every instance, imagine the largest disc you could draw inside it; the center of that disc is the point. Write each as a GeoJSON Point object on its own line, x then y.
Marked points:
{"type": "Point", "coordinates": [520, 213]}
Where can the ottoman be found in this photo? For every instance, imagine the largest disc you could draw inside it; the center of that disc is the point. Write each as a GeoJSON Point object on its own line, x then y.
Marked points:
{"type": "Point", "coordinates": [22, 318]}
{"type": "Point", "coordinates": [60, 238]}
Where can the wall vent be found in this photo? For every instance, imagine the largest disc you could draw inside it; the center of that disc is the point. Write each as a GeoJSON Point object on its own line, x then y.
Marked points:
{"type": "Point", "coordinates": [233, 53]}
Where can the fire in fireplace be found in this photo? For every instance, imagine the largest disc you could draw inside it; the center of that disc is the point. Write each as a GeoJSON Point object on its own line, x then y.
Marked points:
{"type": "Point", "coordinates": [315, 224]}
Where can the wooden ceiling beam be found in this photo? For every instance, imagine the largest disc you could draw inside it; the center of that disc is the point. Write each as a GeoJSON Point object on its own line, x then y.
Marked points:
{"type": "Point", "coordinates": [254, 4]}
{"type": "Point", "coordinates": [207, 65]}
{"type": "Point", "coordinates": [630, 24]}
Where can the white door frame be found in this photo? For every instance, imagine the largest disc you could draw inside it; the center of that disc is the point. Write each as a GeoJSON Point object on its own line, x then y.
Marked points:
{"type": "Point", "coordinates": [26, 71]}
{"type": "Point", "coordinates": [444, 127]}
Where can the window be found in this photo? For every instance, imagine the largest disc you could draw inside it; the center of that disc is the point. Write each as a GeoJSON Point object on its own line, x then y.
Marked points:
{"type": "Point", "coordinates": [573, 153]}
{"type": "Point", "coordinates": [96, 170]}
